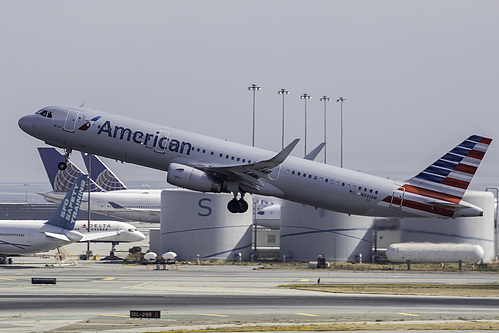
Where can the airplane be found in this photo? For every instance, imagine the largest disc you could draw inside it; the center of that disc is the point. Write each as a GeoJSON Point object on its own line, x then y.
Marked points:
{"type": "Point", "coordinates": [207, 164]}
{"type": "Point", "coordinates": [31, 236]}
{"type": "Point", "coordinates": [109, 196]}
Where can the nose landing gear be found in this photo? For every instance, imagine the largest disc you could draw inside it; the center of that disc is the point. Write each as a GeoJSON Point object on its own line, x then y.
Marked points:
{"type": "Point", "coordinates": [64, 165]}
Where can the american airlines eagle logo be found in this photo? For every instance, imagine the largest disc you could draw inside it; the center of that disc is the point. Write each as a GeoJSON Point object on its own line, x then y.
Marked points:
{"type": "Point", "coordinates": [88, 123]}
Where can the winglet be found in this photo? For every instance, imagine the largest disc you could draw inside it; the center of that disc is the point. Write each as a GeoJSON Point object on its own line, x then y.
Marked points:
{"type": "Point", "coordinates": [67, 212]}
{"type": "Point", "coordinates": [115, 205]}
{"type": "Point", "coordinates": [283, 154]}
{"type": "Point", "coordinates": [313, 154]}
{"type": "Point", "coordinates": [453, 172]}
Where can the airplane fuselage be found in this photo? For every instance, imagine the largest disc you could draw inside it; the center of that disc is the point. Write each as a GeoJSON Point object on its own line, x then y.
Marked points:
{"type": "Point", "coordinates": [296, 179]}
{"type": "Point", "coordinates": [29, 236]}
{"type": "Point", "coordinates": [131, 205]}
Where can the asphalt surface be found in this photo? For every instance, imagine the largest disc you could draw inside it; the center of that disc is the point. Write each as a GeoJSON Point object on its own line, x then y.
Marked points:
{"type": "Point", "coordinates": [98, 296]}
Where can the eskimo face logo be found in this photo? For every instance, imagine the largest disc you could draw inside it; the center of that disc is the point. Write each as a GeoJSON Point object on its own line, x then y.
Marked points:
{"type": "Point", "coordinates": [88, 123]}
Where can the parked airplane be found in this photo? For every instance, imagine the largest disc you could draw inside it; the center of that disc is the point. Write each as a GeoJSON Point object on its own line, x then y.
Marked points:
{"type": "Point", "coordinates": [207, 164]}
{"type": "Point", "coordinates": [131, 205]}
{"type": "Point", "coordinates": [113, 232]}
{"type": "Point", "coordinates": [31, 236]}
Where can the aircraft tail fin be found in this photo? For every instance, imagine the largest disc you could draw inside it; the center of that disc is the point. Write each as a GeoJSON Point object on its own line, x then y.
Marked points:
{"type": "Point", "coordinates": [67, 212]}
{"type": "Point", "coordinates": [101, 174]}
{"type": "Point", "coordinates": [453, 172]}
{"type": "Point", "coordinates": [61, 180]}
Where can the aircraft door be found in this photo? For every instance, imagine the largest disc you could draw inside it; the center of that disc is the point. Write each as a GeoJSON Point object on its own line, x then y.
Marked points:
{"type": "Point", "coordinates": [397, 197]}
{"type": "Point", "coordinates": [70, 124]}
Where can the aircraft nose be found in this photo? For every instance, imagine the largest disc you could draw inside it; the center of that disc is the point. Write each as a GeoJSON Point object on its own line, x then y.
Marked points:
{"type": "Point", "coordinates": [26, 123]}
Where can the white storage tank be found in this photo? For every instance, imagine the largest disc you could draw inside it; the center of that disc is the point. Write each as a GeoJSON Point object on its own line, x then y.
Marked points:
{"type": "Point", "coordinates": [196, 223]}
{"type": "Point", "coordinates": [307, 232]}
{"type": "Point", "coordinates": [434, 253]}
{"type": "Point", "coordinates": [468, 230]}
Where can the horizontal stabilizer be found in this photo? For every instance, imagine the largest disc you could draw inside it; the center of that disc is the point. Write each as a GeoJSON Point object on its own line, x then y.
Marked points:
{"type": "Point", "coordinates": [57, 236]}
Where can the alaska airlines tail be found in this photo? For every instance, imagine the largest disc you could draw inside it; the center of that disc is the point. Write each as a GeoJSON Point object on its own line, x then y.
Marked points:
{"type": "Point", "coordinates": [67, 212]}
{"type": "Point", "coordinates": [448, 178]}
{"type": "Point", "coordinates": [61, 180]}
{"type": "Point", "coordinates": [102, 175]}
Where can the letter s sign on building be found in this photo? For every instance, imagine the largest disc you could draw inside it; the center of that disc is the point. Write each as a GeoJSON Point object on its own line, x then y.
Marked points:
{"type": "Point", "coordinates": [204, 207]}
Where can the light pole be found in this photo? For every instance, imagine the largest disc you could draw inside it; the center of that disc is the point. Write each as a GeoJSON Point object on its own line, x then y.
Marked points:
{"type": "Point", "coordinates": [26, 188]}
{"type": "Point", "coordinates": [89, 189]}
{"type": "Point", "coordinates": [341, 100]}
{"type": "Point", "coordinates": [305, 97]}
{"type": "Point", "coordinates": [253, 88]}
{"type": "Point", "coordinates": [282, 92]}
{"type": "Point", "coordinates": [325, 99]}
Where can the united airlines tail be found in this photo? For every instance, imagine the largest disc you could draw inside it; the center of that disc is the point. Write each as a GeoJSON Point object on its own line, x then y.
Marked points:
{"type": "Point", "coordinates": [61, 180]}
{"type": "Point", "coordinates": [67, 212]}
{"type": "Point", "coordinates": [101, 174]}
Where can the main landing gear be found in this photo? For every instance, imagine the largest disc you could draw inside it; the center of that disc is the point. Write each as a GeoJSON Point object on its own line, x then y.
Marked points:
{"type": "Point", "coordinates": [64, 165]}
{"type": "Point", "coordinates": [237, 206]}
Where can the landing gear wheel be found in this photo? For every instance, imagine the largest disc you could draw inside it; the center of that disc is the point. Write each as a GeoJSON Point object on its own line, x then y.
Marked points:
{"type": "Point", "coordinates": [243, 205]}
{"type": "Point", "coordinates": [233, 206]}
{"type": "Point", "coordinates": [237, 206]}
{"type": "Point", "coordinates": [62, 165]}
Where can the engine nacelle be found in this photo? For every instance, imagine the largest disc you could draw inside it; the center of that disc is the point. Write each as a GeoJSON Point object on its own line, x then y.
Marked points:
{"type": "Point", "coordinates": [193, 179]}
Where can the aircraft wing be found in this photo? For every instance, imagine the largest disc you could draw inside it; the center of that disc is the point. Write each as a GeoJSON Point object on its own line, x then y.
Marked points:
{"type": "Point", "coordinates": [250, 174]}
{"type": "Point", "coordinates": [152, 212]}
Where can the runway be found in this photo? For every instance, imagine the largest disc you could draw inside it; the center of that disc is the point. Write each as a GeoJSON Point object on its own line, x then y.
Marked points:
{"type": "Point", "coordinates": [99, 296]}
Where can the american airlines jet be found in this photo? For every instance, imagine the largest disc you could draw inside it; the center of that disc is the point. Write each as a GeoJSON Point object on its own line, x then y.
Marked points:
{"type": "Point", "coordinates": [206, 164]}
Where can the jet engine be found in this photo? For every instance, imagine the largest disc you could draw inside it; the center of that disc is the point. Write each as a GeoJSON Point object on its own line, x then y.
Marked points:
{"type": "Point", "coordinates": [193, 179]}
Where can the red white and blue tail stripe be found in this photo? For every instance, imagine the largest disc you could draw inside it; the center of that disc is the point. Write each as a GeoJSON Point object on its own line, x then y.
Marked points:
{"type": "Point", "coordinates": [451, 175]}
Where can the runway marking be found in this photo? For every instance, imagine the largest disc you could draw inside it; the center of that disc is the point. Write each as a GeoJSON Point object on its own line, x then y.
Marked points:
{"type": "Point", "coordinates": [211, 315]}
{"type": "Point", "coordinates": [111, 315]}
{"type": "Point", "coordinates": [8, 279]}
{"type": "Point", "coordinates": [307, 314]}
{"type": "Point", "coordinates": [409, 314]}
{"type": "Point", "coordinates": [109, 279]}
{"type": "Point", "coordinates": [305, 280]}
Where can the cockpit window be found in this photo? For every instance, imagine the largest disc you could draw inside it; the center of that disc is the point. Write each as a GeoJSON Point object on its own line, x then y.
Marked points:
{"type": "Point", "coordinates": [45, 113]}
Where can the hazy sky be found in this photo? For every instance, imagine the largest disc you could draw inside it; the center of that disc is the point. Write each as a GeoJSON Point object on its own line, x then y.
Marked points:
{"type": "Point", "coordinates": [419, 76]}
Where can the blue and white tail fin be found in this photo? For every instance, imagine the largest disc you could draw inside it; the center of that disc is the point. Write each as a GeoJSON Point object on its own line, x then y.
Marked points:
{"type": "Point", "coordinates": [67, 212]}
{"type": "Point", "coordinates": [102, 175]}
{"type": "Point", "coordinates": [451, 175]}
{"type": "Point", "coordinates": [61, 180]}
